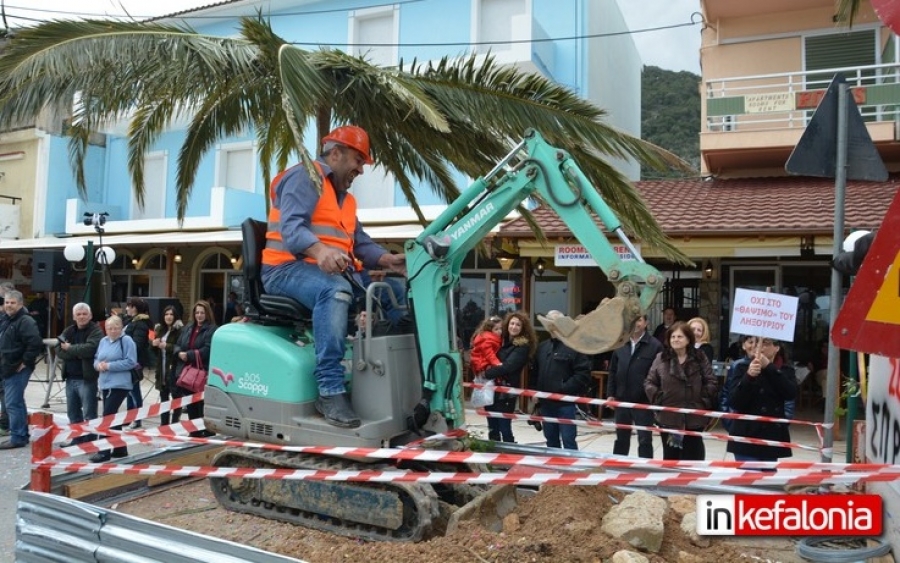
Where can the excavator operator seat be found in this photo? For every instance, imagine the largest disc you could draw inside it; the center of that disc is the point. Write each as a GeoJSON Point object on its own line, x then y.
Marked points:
{"type": "Point", "coordinates": [264, 307]}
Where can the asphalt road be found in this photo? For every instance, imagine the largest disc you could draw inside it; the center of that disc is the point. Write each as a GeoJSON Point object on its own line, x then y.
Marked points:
{"type": "Point", "coordinates": [15, 465]}
{"type": "Point", "coordinates": [15, 468]}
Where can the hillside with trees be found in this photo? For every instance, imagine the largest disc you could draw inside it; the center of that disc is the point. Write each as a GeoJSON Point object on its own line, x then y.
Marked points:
{"type": "Point", "coordinates": [670, 116]}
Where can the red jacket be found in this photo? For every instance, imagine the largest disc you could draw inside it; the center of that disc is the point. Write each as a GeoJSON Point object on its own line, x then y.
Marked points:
{"type": "Point", "coordinates": [484, 351]}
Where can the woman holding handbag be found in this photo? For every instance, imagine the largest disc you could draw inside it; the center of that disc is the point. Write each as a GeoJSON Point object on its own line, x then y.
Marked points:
{"type": "Point", "coordinates": [116, 357]}
{"type": "Point", "coordinates": [192, 350]}
{"type": "Point", "coordinates": [167, 333]}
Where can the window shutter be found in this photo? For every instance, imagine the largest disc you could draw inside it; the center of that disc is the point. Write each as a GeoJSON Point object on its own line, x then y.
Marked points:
{"type": "Point", "coordinates": [839, 50]}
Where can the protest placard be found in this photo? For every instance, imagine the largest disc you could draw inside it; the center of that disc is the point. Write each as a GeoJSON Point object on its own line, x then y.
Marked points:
{"type": "Point", "coordinates": [759, 313]}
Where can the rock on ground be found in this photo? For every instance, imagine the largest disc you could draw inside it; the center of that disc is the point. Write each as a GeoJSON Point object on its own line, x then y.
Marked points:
{"type": "Point", "coordinates": [638, 520]}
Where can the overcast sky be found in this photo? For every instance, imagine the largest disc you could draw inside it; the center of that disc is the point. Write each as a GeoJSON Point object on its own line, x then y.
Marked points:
{"type": "Point", "coordinates": [673, 49]}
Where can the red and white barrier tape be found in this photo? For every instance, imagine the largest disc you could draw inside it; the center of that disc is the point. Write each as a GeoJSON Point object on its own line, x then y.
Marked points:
{"type": "Point", "coordinates": [521, 477]}
{"type": "Point", "coordinates": [102, 425]}
{"type": "Point", "coordinates": [605, 403]}
{"type": "Point", "coordinates": [441, 456]}
{"type": "Point", "coordinates": [655, 429]}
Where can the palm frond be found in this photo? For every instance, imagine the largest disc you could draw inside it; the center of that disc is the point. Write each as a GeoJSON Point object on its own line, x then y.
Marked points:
{"type": "Point", "coordinates": [846, 11]}
{"type": "Point", "coordinates": [427, 122]}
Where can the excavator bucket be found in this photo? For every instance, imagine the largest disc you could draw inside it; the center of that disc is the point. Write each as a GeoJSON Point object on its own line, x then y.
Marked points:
{"type": "Point", "coordinates": [605, 328]}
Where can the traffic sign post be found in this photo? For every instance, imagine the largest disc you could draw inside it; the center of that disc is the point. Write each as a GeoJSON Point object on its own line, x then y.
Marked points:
{"type": "Point", "coordinates": [836, 144]}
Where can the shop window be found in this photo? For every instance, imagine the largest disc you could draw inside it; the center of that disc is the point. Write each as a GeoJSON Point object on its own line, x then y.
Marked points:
{"type": "Point", "coordinates": [551, 292]}
{"type": "Point", "coordinates": [215, 283]}
{"type": "Point", "coordinates": [481, 295]}
{"type": "Point", "coordinates": [811, 284]}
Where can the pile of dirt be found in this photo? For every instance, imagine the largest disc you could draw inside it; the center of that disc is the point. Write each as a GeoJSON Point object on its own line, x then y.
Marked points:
{"type": "Point", "coordinates": [557, 524]}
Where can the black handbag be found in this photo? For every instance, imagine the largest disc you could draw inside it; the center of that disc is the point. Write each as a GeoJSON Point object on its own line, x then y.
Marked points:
{"type": "Point", "coordinates": [137, 372]}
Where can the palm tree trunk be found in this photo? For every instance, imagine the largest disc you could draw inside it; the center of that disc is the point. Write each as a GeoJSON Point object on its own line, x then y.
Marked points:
{"type": "Point", "coordinates": [323, 126]}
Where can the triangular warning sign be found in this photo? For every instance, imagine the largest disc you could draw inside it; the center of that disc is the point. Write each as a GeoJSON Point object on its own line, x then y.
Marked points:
{"type": "Point", "coordinates": [816, 152]}
{"type": "Point", "coordinates": [869, 320]}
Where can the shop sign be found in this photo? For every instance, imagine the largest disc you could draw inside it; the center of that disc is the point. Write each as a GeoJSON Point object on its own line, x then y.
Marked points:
{"type": "Point", "coordinates": [576, 255]}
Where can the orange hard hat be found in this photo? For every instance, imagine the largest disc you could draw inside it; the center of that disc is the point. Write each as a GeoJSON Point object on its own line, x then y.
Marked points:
{"type": "Point", "coordinates": [353, 137]}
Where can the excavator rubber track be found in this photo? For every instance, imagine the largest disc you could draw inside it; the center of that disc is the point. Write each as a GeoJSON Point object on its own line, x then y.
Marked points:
{"type": "Point", "coordinates": [371, 511]}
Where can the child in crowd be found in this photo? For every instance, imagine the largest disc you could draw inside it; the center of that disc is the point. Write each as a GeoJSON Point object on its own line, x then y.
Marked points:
{"type": "Point", "coordinates": [485, 344]}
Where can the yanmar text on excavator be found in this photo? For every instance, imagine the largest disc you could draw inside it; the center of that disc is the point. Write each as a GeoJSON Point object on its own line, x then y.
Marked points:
{"type": "Point", "coordinates": [403, 386]}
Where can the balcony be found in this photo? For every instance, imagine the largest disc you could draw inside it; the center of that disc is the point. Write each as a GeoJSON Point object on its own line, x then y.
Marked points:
{"type": "Point", "coordinates": [753, 122]}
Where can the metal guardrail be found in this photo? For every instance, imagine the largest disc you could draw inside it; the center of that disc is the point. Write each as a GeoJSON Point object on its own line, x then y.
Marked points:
{"type": "Point", "coordinates": [52, 528]}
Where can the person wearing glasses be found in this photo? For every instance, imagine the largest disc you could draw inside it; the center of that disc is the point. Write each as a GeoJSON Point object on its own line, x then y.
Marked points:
{"type": "Point", "coordinates": [762, 386]}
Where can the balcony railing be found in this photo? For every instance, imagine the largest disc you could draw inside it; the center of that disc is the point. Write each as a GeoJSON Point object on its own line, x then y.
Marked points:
{"type": "Point", "coordinates": [787, 100]}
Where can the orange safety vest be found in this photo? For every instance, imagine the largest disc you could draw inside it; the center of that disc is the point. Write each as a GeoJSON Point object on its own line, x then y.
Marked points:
{"type": "Point", "coordinates": [332, 224]}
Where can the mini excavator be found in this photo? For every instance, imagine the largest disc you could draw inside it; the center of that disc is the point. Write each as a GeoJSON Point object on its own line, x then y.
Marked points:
{"type": "Point", "coordinates": [403, 386]}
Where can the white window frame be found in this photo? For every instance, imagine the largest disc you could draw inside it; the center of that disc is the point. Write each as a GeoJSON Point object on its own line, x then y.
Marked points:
{"type": "Point", "coordinates": [221, 163]}
{"type": "Point", "coordinates": [353, 27]}
{"type": "Point", "coordinates": [475, 30]}
{"type": "Point", "coordinates": [149, 212]}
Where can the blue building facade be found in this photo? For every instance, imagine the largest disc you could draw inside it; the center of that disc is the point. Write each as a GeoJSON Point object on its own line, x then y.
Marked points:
{"type": "Point", "coordinates": [577, 43]}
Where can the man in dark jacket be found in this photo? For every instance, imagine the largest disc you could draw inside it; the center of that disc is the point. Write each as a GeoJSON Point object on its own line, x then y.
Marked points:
{"type": "Point", "coordinates": [5, 288]}
{"type": "Point", "coordinates": [20, 346]}
{"type": "Point", "coordinates": [559, 369]}
{"type": "Point", "coordinates": [627, 370]}
{"type": "Point", "coordinates": [77, 347]}
{"type": "Point", "coordinates": [669, 319]}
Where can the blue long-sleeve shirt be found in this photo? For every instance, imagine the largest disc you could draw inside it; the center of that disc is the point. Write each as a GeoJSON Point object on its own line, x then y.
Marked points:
{"type": "Point", "coordinates": [296, 198]}
{"type": "Point", "coordinates": [121, 355]}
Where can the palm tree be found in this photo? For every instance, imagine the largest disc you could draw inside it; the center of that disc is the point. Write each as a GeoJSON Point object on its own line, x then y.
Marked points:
{"type": "Point", "coordinates": [846, 10]}
{"type": "Point", "coordinates": [424, 120]}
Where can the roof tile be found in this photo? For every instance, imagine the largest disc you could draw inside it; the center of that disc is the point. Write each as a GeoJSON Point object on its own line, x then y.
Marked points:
{"type": "Point", "coordinates": [772, 205]}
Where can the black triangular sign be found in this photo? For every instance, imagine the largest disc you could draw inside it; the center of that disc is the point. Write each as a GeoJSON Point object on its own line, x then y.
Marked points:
{"type": "Point", "coordinates": [816, 152]}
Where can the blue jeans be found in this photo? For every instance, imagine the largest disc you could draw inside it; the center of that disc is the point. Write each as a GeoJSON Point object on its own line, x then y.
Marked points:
{"type": "Point", "coordinates": [329, 298]}
{"type": "Point", "coordinates": [553, 431]}
{"type": "Point", "coordinates": [14, 391]}
{"type": "Point", "coordinates": [81, 400]}
{"type": "Point", "coordinates": [81, 404]}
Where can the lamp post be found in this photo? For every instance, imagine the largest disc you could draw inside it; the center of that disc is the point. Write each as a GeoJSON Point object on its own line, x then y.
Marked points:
{"type": "Point", "coordinates": [104, 255]}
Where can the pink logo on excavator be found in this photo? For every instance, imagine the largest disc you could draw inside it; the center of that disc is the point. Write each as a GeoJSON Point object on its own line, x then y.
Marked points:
{"type": "Point", "coordinates": [226, 377]}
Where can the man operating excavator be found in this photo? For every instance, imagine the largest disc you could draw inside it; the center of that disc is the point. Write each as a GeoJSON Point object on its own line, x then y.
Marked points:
{"type": "Point", "coordinates": [311, 240]}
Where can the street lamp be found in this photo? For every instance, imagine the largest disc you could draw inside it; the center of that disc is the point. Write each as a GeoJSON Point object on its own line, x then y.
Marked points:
{"type": "Point", "coordinates": [104, 255]}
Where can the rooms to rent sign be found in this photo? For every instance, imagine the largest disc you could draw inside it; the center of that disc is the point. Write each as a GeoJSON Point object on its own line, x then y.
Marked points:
{"type": "Point", "coordinates": [578, 255]}
{"type": "Point", "coordinates": [759, 313]}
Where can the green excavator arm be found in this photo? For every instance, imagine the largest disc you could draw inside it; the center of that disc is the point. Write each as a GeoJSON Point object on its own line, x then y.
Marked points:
{"type": "Point", "coordinates": [533, 169]}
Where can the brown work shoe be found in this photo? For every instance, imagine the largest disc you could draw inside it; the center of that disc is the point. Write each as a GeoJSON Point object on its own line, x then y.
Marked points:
{"type": "Point", "coordinates": [337, 411]}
